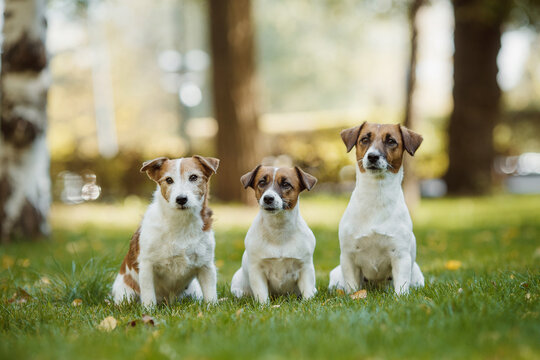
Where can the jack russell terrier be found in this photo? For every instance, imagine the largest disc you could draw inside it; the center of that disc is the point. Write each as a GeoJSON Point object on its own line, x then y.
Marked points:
{"type": "Point", "coordinates": [171, 255]}
{"type": "Point", "coordinates": [279, 244]}
{"type": "Point", "coordinates": [375, 233]}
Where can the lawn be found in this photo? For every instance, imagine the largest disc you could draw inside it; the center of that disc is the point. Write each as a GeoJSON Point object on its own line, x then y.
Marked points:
{"type": "Point", "coordinates": [480, 256]}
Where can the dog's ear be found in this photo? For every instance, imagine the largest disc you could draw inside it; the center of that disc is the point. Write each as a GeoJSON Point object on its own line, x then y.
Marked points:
{"type": "Point", "coordinates": [350, 136]}
{"type": "Point", "coordinates": [411, 140]}
{"type": "Point", "coordinates": [247, 179]}
{"type": "Point", "coordinates": [151, 167]}
{"type": "Point", "coordinates": [307, 181]}
{"type": "Point", "coordinates": [209, 164]}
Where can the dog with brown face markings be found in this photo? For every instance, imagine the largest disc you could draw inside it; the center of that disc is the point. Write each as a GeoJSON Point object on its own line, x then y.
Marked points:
{"type": "Point", "coordinates": [375, 233]}
{"type": "Point", "coordinates": [172, 253]}
{"type": "Point", "coordinates": [279, 245]}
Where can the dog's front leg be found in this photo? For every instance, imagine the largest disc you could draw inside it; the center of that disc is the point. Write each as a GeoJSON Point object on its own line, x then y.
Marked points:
{"type": "Point", "coordinates": [306, 282]}
{"type": "Point", "coordinates": [207, 279]}
{"type": "Point", "coordinates": [146, 282]}
{"type": "Point", "coordinates": [351, 273]}
{"type": "Point", "coordinates": [401, 273]}
{"type": "Point", "coordinates": [258, 283]}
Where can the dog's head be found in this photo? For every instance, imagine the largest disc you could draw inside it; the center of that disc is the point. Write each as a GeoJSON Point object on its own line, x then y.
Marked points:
{"type": "Point", "coordinates": [277, 189]}
{"type": "Point", "coordinates": [380, 148]}
{"type": "Point", "coordinates": [183, 182]}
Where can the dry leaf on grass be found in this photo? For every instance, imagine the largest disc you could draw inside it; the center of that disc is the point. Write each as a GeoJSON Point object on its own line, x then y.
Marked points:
{"type": "Point", "coordinates": [452, 264]}
{"type": "Point", "coordinates": [276, 306]}
{"type": "Point", "coordinates": [107, 324]}
{"type": "Point", "coordinates": [360, 294]}
{"type": "Point", "coordinates": [239, 311]}
{"type": "Point", "coordinates": [200, 314]}
{"type": "Point", "coordinates": [76, 302]}
{"type": "Point", "coordinates": [340, 292]}
{"type": "Point", "coordinates": [20, 297]}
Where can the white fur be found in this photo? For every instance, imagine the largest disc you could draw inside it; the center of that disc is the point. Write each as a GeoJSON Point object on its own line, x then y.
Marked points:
{"type": "Point", "coordinates": [279, 255]}
{"type": "Point", "coordinates": [375, 235]}
{"type": "Point", "coordinates": [176, 257]}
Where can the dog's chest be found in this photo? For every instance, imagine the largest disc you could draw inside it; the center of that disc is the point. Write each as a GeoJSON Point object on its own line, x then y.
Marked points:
{"type": "Point", "coordinates": [282, 273]}
{"type": "Point", "coordinates": [373, 254]}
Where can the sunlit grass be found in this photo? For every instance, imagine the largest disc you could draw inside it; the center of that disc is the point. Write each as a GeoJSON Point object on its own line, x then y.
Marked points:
{"type": "Point", "coordinates": [480, 256]}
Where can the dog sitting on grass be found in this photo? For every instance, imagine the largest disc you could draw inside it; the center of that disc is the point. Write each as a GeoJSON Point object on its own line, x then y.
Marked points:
{"type": "Point", "coordinates": [375, 233]}
{"type": "Point", "coordinates": [171, 255]}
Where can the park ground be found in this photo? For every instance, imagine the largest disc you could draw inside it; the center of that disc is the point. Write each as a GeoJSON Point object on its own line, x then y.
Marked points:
{"type": "Point", "coordinates": [480, 257]}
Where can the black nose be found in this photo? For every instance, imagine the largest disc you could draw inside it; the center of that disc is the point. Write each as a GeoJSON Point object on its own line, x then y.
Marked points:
{"type": "Point", "coordinates": [373, 157]}
{"type": "Point", "coordinates": [181, 200]}
{"type": "Point", "coordinates": [268, 199]}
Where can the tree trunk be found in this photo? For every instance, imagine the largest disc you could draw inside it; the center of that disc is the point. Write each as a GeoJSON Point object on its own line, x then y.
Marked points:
{"type": "Point", "coordinates": [235, 96]}
{"type": "Point", "coordinates": [24, 166]}
{"type": "Point", "coordinates": [477, 40]}
{"type": "Point", "coordinates": [411, 187]}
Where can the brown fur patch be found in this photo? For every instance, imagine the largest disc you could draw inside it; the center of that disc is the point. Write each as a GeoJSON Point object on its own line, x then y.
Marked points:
{"type": "Point", "coordinates": [203, 168]}
{"type": "Point", "coordinates": [380, 136]}
{"type": "Point", "coordinates": [288, 183]}
{"type": "Point", "coordinates": [130, 261]}
{"type": "Point", "coordinates": [132, 283]}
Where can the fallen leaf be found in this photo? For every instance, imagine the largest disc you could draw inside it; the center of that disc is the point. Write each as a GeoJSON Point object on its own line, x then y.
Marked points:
{"type": "Point", "coordinates": [7, 261]}
{"type": "Point", "coordinates": [452, 264]}
{"type": "Point", "coordinates": [524, 285]}
{"type": "Point", "coordinates": [148, 320]}
{"type": "Point", "coordinates": [45, 280]}
{"type": "Point", "coordinates": [340, 292]}
{"type": "Point", "coordinates": [77, 302]}
{"type": "Point", "coordinates": [23, 262]}
{"type": "Point", "coordinates": [460, 290]}
{"type": "Point", "coordinates": [360, 294]}
{"type": "Point", "coordinates": [239, 311]}
{"type": "Point", "coordinates": [512, 276]}
{"type": "Point", "coordinates": [200, 314]}
{"type": "Point", "coordinates": [276, 306]}
{"type": "Point", "coordinates": [223, 299]}
{"type": "Point", "coordinates": [528, 296]}
{"type": "Point", "coordinates": [107, 324]}
{"type": "Point", "coordinates": [19, 297]}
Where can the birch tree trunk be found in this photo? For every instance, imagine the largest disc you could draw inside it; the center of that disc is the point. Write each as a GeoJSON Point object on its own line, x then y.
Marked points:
{"type": "Point", "coordinates": [24, 159]}
{"type": "Point", "coordinates": [235, 96]}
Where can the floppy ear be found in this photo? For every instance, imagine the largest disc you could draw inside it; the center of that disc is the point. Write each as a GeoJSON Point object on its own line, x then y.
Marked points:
{"type": "Point", "coordinates": [307, 181]}
{"type": "Point", "coordinates": [210, 164]}
{"type": "Point", "coordinates": [411, 140]}
{"type": "Point", "coordinates": [152, 166]}
{"type": "Point", "coordinates": [350, 136]}
{"type": "Point", "coordinates": [247, 179]}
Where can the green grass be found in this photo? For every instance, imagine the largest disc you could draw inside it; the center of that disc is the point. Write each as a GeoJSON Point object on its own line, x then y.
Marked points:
{"type": "Point", "coordinates": [486, 308]}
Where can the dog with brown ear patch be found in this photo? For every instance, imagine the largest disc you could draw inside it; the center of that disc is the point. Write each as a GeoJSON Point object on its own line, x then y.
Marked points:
{"type": "Point", "coordinates": [279, 244]}
{"type": "Point", "coordinates": [375, 233]}
{"type": "Point", "coordinates": [172, 253]}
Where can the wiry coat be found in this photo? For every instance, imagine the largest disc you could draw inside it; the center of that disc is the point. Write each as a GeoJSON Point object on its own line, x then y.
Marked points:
{"type": "Point", "coordinates": [172, 253]}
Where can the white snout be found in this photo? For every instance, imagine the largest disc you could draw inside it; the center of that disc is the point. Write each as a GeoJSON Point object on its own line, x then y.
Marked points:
{"type": "Point", "coordinates": [380, 164]}
{"type": "Point", "coordinates": [270, 200]}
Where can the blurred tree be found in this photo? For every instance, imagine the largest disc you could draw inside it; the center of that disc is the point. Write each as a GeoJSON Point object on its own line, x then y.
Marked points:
{"type": "Point", "coordinates": [411, 186]}
{"type": "Point", "coordinates": [24, 166]}
{"type": "Point", "coordinates": [235, 96]}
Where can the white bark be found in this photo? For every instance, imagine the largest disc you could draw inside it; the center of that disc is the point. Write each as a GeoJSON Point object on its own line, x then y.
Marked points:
{"type": "Point", "coordinates": [24, 158]}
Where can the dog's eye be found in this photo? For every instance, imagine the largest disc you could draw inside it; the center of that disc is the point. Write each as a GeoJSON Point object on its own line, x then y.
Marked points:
{"type": "Point", "coordinates": [286, 185]}
{"type": "Point", "coordinates": [391, 141]}
{"type": "Point", "coordinates": [364, 140]}
{"type": "Point", "coordinates": [261, 182]}
{"type": "Point", "coordinates": [193, 178]}
{"type": "Point", "coordinates": [169, 180]}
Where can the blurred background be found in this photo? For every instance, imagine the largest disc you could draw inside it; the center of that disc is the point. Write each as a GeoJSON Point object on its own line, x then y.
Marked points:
{"type": "Point", "coordinates": [92, 88]}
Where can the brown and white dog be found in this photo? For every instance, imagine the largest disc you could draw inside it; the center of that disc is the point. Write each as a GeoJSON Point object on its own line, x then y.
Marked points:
{"type": "Point", "coordinates": [375, 232]}
{"type": "Point", "coordinates": [172, 253]}
{"type": "Point", "coordinates": [279, 244]}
